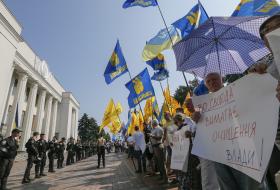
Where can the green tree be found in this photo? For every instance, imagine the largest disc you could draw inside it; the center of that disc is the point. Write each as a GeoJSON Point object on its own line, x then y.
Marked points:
{"type": "Point", "coordinates": [182, 91]}
{"type": "Point", "coordinates": [88, 128]}
{"type": "Point", "coordinates": [107, 137]}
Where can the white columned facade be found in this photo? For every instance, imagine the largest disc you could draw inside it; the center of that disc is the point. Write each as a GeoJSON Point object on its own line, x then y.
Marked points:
{"type": "Point", "coordinates": [49, 109]}
{"type": "Point", "coordinates": [53, 120]}
{"type": "Point", "coordinates": [40, 110]}
{"type": "Point", "coordinates": [48, 116]}
{"type": "Point", "coordinates": [27, 125]}
{"type": "Point", "coordinates": [21, 87]}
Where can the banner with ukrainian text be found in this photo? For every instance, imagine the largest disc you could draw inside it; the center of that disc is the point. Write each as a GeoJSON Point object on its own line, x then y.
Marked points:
{"type": "Point", "coordinates": [235, 128]}
{"type": "Point", "coordinates": [140, 88]}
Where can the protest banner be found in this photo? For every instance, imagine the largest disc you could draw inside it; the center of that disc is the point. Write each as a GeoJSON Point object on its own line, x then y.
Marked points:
{"type": "Point", "coordinates": [180, 150]}
{"type": "Point", "coordinates": [239, 124]}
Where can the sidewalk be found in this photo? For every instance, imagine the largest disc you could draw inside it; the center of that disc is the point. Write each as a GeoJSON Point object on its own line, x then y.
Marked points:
{"type": "Point", "coordinates": [119, 174]}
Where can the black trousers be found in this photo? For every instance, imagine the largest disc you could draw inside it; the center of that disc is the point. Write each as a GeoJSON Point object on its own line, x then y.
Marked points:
{"type": "Point", "coordinates": [40, 166]}
{"type": "Point", "coordinates": [30, 160]}
{"type": "Point", "coordinates": [70, 158]}
{"type": "Point", "coordinates": [78, 156]}
{"type": "Point", "coordinates": [60, 159]}
{"type": "Point", "coordinates": [101, 153]}
{"type": "Point", "coordinates": [5, 168]}
{"type": "Point", "coordinates": [141, 160]}
{"type": "Point", "coordinates": [51, 162]}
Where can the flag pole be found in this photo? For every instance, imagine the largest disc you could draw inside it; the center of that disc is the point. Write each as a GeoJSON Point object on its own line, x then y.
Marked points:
{"type": "Point", "coordinates": [135, 93]}
{"type": "Point", "coordinates": [170, 39]}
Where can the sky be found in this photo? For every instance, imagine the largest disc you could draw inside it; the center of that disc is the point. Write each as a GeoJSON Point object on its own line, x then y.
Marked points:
{"type": "Point", "coordinates": [77, 37]}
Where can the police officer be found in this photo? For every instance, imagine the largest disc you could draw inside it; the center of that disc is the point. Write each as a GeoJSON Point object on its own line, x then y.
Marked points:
{"type": "Point", "coordinates": [71, 151]}
{"type": "Point", "coordinates": [78, 149]}
{"type": "Point", "coordinates": [32, 151]}
{"type": "Point", "coordinates": [52, 153]}
{"type": "Point", "coordinates": [101, 150]}
{"type": "Point", "coordinates": [42, 146]}
{"type": "Point", "coordinates": [8, 152]}
{"type": "Point", "coordinates": [60, 153]}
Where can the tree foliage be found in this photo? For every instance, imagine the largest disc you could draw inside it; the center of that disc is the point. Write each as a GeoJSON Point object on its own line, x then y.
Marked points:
{"type": "Point", "coordinates": [182, 91]}
{"type": "Point", "coordinates": [88, 128]}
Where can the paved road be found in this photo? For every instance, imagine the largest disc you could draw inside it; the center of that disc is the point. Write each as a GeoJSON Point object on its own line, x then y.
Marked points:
{"type": "Point", "coordinates": [118, 175]}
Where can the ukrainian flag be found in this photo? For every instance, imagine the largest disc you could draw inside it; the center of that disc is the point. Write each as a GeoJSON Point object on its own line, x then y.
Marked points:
{"type": "Point", "coordinates": [116, 66]}
{"type": "Point", "coordinates": [160, 43]}
{"type": "Point", "coordinates": [257, 8]}
{"type": "Point", "coordinates": [141, 3]}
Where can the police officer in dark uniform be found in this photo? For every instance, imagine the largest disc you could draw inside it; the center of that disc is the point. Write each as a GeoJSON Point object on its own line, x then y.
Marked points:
{"type": "Point", "coordinates": [32, 151]}
{"type": "Point", "coordinates": [71, 151]}
{"type": "Point", "coordinates": [43, 147]}
{"type": "Point", "coordinates": [52, 153]}
{"type": "Point", "coordinates": [60, 153]}
{"type": "Point", "coordinates": [78, 150]}
{"type": "Point", "coordinates": [8, 152]}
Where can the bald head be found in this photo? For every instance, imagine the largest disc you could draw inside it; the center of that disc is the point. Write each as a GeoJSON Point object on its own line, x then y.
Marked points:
{"type": "Point", "coordinates": [213, 82]}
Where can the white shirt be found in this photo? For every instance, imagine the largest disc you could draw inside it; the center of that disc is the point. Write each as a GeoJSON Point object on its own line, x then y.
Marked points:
{"type": "Point", "coordinates": [171, 128]}
{"type": "Point", "coordinates": [130, 140]}
{"type": "Point", "coordinates": [139, 140]}
{"type": "Point", "coordinates": [191, 124]}
{"type": "Point", "coordinates": [157, 132]}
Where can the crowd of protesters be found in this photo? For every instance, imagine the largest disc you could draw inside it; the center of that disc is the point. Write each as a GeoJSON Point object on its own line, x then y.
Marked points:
{"type": "Point", "coordinates": [202, 173]}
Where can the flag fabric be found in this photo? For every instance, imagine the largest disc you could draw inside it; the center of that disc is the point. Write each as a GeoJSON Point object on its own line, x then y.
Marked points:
{"type": "Point", "coordinates": [151, 108]}
{"type": "Point", "coordinates": [192, 20]}
{"type": "Point", "coordinates": [171, 103]}
{"type": "Point", "coordinates": [141, 3]}
{"type": "Point", "coordinates": [160, 43]}
{"type": "Point", "coordinates": [15, 123]}
{"type": "Point", "coordinates": [201, 89]}
{"type": "Point", "coordinates": [160, 75]}
{"type": "Point", "coordinates": [111, 114]}
{"type": "Point", "coordinates": [186, 111]}
{"type": "Point", "coordinates": [257, 8]}
{"type": "Point", "coordinates": [140, 121]}
{"type": "Point", "coordinates": [115, 126]}
{"type": "Point", "coordinates": [116, 66]}
{"type": "Point", "coordinates": [134, 122]}
{"type": "Point", "coordinates": [140, 88]}
{"type": "Point", "coordinates": [157, 63]}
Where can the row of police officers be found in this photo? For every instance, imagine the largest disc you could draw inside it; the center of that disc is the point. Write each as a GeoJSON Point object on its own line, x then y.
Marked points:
{"type": "Point", "coordinates": [38, 149]}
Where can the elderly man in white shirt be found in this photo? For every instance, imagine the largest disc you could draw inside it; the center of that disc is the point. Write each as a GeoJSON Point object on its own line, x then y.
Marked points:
{"type": "Point", "coordinates": [158, 148]}
{"type": "Point", "coordinates": [139, 148]}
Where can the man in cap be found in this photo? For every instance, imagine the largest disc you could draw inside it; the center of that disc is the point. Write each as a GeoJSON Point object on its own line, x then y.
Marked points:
{"type": "Point", "coordinates": [43, 147]}
{"type": "Point", "coordinates": [158, 148]}
{"type": "Point", "coordinates": [71, 151]}
{"type": "Point", "coordinates": [52, 153]}
{"type": "Point", "coordinates": [32, 151]}
{"type": "Point", "coordinates": [8, 152]}
{"type": "Point", "coordinates": [60, 153]}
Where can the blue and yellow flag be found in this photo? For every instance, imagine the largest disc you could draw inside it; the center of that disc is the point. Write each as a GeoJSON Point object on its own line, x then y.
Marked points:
{"type": "Point", "coordinates": [15, 124]}
{"type": "Point", "coordinates": [160, 43]}
{"type": "Point", "coordinates": [141, 3]}
{"type": "Point", "coordinates": [160, 75]}
{"type": "Point", "coordinates": [116, 66]}
{"type": "Point", "coordinates": [140, 88]}
{"type": "Point", "coordinates": [192, 20]}
{"type": "Point", "coordinates": [256, 8]}
{"type": "Point", "coordinates": [157, 63]}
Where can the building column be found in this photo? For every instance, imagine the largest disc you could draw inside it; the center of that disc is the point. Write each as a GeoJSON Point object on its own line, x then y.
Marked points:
{"type": "Point", "coordinates": [73, 122]}
{"type": "Point", "coordinates": [48, 116]}
{"type": "Point", "coordinates": [40, 110]}
{"type": "Point", "coordinates": [27, 125]}
{"type": "Point", "coordinates": [21, 87]}
{"type": "Point", "coordinates": [5, 113]}
{"type": "Point", "coordinates": [53, 120]}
